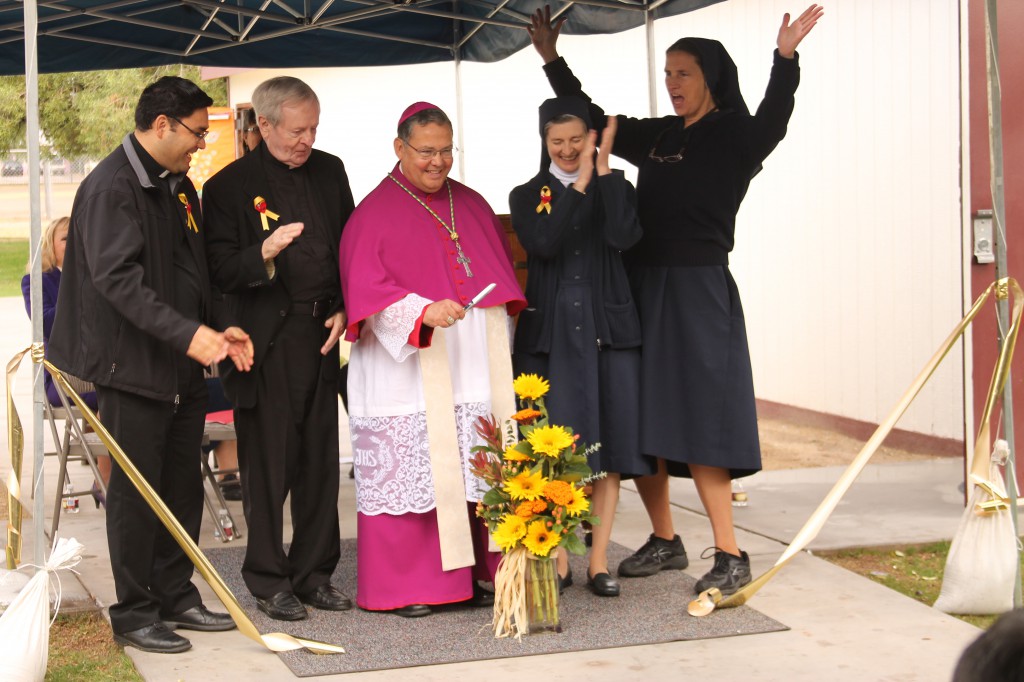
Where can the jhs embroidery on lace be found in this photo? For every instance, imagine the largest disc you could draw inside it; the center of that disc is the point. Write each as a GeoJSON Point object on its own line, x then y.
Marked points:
{"type": "Point", "coordinates": [393, 325]}
{"type": "Point", "coordinates": [392, 461]}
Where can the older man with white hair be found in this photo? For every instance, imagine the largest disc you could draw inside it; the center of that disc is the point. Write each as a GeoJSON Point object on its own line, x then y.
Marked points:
{"type": "Point", "coordinates": [274, 220]}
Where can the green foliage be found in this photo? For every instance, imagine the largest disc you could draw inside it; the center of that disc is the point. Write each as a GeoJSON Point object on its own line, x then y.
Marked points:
{"type": "Point", "coordinates": [85, 114]}
{"type": "Point", "coordinates": [13, 256]}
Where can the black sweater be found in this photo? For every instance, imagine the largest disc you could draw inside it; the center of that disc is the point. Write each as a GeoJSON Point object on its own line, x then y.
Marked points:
{"type": "Point", "coordinates": [581, 239]}
{"type": "Point", "coordinates": [688, 209]}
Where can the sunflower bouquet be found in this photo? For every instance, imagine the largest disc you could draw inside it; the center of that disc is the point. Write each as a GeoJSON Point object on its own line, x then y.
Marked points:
{"type": "Point", "coordinates": [537, 474]}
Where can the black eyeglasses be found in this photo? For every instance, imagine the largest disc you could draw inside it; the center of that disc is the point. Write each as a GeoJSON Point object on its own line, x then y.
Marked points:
{"type": "Point", "coordinates": [672, 158]}
{"type": "Point", "coordinates": [201, 136]}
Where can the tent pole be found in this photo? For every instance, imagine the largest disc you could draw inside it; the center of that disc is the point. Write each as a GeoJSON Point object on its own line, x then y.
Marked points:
{"type": "Point", "coordinates": [995, 140]}
{"type": "Point", "coordinates": [652, 94]}
{"type": "Point", "coordinates": [36, 278]}
{"type": "Point", "coordinates": [459, 139]}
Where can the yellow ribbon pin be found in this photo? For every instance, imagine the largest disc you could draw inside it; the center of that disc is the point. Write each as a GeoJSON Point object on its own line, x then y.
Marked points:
{"type": "Point", "coordinates": [261, 205]}
{"type": "Point", "coordinates": [545, 199]}
{"type": "Point", "coordinates": [188, 211]}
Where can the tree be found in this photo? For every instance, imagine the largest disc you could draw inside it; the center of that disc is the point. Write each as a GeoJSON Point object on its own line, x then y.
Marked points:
{"type": "Point", "coordinates": [85, 114]}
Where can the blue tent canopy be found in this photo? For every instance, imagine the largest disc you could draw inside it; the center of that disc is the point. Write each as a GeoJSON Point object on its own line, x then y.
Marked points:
{"type": "Point", "coordinates": [76, 35]}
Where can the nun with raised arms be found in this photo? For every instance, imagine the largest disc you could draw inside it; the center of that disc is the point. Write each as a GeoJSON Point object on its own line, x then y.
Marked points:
{"type": "Point", "coordinates": [697, 411]}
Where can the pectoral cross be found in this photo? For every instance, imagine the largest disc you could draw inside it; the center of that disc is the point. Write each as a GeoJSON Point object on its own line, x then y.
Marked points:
{"type": "Point", "coordinates": [464, 261]}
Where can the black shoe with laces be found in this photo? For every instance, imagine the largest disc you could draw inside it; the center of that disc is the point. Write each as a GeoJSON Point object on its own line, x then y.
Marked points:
{"type": "Point", "coordinates": [656, 555]}
{"type": "Point", "coordinates": [729, 573]}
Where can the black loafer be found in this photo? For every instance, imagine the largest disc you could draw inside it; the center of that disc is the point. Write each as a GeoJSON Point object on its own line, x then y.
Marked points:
{"type": "Point", "coordinates": [200, 618]}
{"type": "Point", "coordinates": [564, 582]}
{"type": "Point", "coordinates": [327, 598]}
{"type": "Point", "coordinates": [481, 597]}
{"type": "Point", "coordinates": [413, 611]}
{"type": "Point", "coordinates": [282, 606]}
{"type": "Point", "coordinates": [155, 638]}
{"type": "Point", "coordinates": [603, 585]}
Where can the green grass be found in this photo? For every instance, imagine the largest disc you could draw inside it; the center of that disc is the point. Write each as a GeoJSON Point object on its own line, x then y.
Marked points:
{"type": "Point", "coordinates": [81, 648]}
{"type": "Point", "coordinates": [912, 570]}
{"type": "Point", "coordinates": [13, 257]}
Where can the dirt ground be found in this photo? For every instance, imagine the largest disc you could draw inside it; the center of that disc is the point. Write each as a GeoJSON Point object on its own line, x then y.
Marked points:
{"type": "Point", "coordinates": [788, 445]}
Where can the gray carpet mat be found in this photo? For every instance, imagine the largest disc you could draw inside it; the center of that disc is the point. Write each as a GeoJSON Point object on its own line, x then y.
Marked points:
{"type": "Point", "coordinates": [649, 611]}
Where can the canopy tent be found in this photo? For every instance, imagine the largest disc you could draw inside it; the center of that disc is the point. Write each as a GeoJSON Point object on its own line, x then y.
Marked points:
{"type": "Point", "coordinates": [76, 35]}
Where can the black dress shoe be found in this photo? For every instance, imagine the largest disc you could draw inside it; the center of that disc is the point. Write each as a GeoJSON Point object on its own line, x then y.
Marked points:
{"type": "Point", "coordinates": [413, 611]}
{"type": "Point", "coordinates": [282, 606]}
{"type": "Point", "coordinates": [155, 638]}
{"type": "Point", "coordinates": [564, 582]}
{"type": "Point", "coordinates": [481, 597]}
{"type": "Point", "coordinates": [603, 585]}
{"type": "Point", "coordinates": [200, 618]}
{"type": "Point", "coordinates": [327, 598]}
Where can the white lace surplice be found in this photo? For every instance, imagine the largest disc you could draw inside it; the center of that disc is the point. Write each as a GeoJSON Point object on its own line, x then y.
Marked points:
{"type": "Point", "coordinates": [387, 410]}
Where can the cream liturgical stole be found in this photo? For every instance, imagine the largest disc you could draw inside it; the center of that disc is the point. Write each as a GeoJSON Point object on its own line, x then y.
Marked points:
{"type": "Point", "coordinates": [453, 527]}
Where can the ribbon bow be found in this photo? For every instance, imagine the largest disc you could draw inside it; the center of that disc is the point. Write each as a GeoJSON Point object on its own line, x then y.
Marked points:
{"type": "Point", "coordinates": [260, 204]}
{"type": "Point", "coordinates": [545, 199]}
{"type": "Point", "coordinates": [188, 211]}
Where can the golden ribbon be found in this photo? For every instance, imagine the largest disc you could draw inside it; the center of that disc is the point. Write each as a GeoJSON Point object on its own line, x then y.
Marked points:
{"type": "Point", "coordinates": [260, 204]}
{"type": "Point", "coordinates": [709, 600]}
{"type": "Point", "coordinates": [188, 211]}
{"type": "Point", "coordinates": [275, 641]}
{"type": "Point", "coordinates": [545, 199]}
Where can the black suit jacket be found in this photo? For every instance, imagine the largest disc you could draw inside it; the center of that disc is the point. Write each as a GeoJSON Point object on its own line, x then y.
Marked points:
{"type": "Point", "coordinates": [116, 324]}
{"type": "Point", "coordinates": [255, 301]}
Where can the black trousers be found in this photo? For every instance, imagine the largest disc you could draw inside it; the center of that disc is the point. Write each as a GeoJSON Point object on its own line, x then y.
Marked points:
{"type": "Point", "coordinates": [152, 574]}
{"type": "Point", "coordinates": [288, 443]}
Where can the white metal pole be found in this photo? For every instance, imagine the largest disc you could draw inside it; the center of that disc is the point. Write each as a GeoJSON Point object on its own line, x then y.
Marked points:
{"type": "Point", "coordinates": [995, 144]}
{"type": "Point", "coordinates": [652, 91]}
{"type": "Point", "coordinates": [36, 295]}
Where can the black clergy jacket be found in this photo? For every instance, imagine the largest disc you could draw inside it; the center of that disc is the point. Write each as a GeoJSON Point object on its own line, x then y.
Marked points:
{"type": "Point", "coordinates": [254, 300]}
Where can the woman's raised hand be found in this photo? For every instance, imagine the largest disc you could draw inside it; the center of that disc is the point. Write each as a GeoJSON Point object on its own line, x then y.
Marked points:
{"type": "Point", "coordinates": [543, 35]}
{"type": "Point", "coordinates": [607, 141]}
{"type": "Point", "coordinates": [586, 163]}
{"type": "Point", "coordinates": [790, 35]}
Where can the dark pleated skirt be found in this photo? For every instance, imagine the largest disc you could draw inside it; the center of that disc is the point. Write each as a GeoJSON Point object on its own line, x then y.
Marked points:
{"type": "Point", "coordinates": [697, 389]}
{"type": "Point", "coordinates": [595, 392]}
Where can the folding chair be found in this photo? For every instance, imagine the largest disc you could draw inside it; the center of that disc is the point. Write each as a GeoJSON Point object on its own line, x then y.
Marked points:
{"type": "Point", "coordinates": [224, 523]}
{"type": "Point", "coordinates": [71, 445]}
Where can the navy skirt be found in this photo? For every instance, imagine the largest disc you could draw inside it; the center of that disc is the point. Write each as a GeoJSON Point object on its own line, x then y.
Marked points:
{"type": "Point", "coordinates": [696, 385]}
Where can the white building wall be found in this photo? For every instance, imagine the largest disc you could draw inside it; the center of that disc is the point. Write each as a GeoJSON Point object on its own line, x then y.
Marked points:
{"type": "Point", "coordinates": [848, 249]}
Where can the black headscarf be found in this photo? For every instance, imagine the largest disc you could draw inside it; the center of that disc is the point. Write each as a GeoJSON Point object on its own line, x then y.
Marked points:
{"type": "Point", "coordinates": [559, 106]}
{"type": "Point", "coordinates": [719, 71]}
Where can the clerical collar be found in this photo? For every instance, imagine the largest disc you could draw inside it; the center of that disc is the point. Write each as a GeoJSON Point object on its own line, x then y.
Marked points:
{"type": "Point", "coordinates": [272, 161]}
{"type": "Point", "coordinates": [565, 178]}
{"type": "Point", "coordinates": [154, 169]}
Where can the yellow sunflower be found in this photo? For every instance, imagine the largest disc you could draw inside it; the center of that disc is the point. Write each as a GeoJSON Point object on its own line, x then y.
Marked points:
{"type": "Point", "coordinates": [579, 503]}
{"type": "Point", "coordinates": [509, 532]}
{"type": "Point", "coordinates": [525, 486]}
{"type": "Point", "coordinates": [513, 455]}
{"type": "Point", "coordinates": [558, 492]}
{"type": "Point", "coordinates": [549, 440]}
{"type": "Point", "coordinates": [539, 538]}
{"type": "Point", "coordinates": [530, 386]}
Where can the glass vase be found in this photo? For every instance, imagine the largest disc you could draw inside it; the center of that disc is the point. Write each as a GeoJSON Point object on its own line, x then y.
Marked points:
{"type": "Point", "coordinates": [541, 582]}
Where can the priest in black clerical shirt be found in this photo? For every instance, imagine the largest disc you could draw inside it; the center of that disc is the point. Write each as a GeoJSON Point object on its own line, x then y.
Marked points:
{"type": "Point", "coordinates": [274, 221]}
